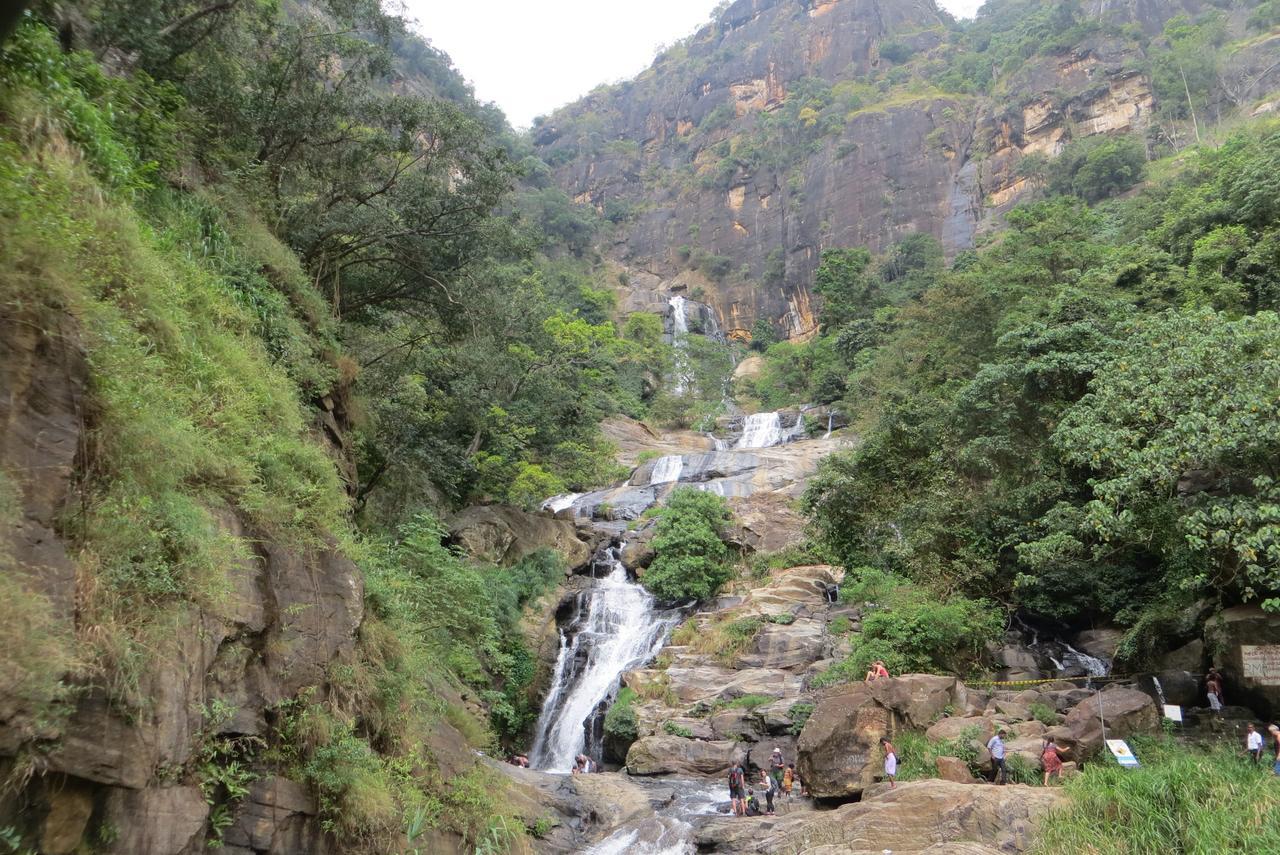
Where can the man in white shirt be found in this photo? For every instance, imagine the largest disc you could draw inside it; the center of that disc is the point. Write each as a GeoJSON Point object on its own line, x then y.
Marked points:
{"type": "Point", "coordinates": [1253, 742]}
{"type": "Point", "coordinates": [996, 746]}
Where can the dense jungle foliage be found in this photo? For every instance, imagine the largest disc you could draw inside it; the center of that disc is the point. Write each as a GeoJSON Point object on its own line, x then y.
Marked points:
{"type": "Point", "coordinates": [325, 294]}
{"type": "Point", "coordinates": [1079, 418]}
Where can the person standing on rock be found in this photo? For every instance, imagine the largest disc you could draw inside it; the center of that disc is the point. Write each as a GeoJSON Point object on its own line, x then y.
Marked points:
{"type": "Point", "coordinates": [1213, 688]}
{"type": "Point", "coordinates": [776, 768]}
{"type": "Point", "coordinates": [789, 780]}
{"type": "Point", "coordinates": [1052, 761]}
{"type": "Point", "coordinates": [738, 789]}
{"type": "Point", "coordinates": [890, 762]}
{"type": "Point", "coordinates": [770, 790]}
{"type": "Point", "coordinates": [995, 745]}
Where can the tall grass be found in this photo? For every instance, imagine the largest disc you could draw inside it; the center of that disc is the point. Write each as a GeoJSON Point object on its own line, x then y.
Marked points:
{"type": "Point", "coordinates": [1184, 800]}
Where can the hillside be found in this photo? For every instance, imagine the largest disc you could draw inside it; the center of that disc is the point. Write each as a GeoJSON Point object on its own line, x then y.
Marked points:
{"type": "Point", "coordinates": [785, 128]}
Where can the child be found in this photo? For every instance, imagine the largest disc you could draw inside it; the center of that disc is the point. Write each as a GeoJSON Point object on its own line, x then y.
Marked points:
{"type": "Point", "coordinates": [890, 762]}
{"type": "Point", "coordinates": [753, 804]}
{"type": "Point", "coordinates": [788, 779]}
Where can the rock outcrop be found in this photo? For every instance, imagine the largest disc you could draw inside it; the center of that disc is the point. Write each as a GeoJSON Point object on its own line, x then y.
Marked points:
{"type": "Point", "coordinates": [712, 217]}
{"type": "Point", "coordinates": [1126, 712]}
{"type": "Point", "coordinates": [504, 535]}
{"type": "Point", "coordinates": [922, 817]}
{"type": "Point", "coordinates": [839, 746]}
{"type": "Point", "coordinates": [665, 755]}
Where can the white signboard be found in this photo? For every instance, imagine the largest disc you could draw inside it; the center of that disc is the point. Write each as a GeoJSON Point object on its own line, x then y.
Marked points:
{"type": "Point", "coordinates": [1261, 663]}
{"type": "Point", "coordinates": [1120, 750]}
{"type": "Point", "coordinates": [1173, 713]}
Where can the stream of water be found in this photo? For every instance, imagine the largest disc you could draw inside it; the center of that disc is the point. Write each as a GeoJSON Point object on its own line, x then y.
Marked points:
{"type": "Point", "coordinates": [618, 626]}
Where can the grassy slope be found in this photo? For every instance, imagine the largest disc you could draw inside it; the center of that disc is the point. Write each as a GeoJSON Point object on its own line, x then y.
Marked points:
{"type": "Point", "coordinates": [205, 341]}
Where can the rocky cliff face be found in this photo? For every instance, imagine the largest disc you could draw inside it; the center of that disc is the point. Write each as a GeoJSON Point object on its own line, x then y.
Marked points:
{"type": "Point", "coordinates": [787, 127]}
{"type": "Point", "coordinates": [291, 614]}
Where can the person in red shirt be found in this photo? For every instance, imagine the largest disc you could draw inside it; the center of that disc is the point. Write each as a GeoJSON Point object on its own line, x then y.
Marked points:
{"type": "Point", "coordinates": [877, 671]}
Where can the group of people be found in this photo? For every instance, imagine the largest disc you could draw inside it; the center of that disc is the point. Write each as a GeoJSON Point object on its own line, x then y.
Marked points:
{"type": "Point", "coordinates": [583, 765]}
{"type": "Point", "coordinates": [1050, 759]}
{"type": "Point", "coordinates": [776, 782]}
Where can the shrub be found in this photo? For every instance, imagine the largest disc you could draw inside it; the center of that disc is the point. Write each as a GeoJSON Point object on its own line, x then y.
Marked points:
{"type": "Point", "coordinates": [915, 632]}
{"type": "Point", "coordinates": [750, 702]}
{"type": "Point", "coordinates": [1044, 714]}
{"type": "Point", "coordinates": [799, 715]}
{"type": "Point", "coordinates": [674, 729]}
{"type": "Point", "coordinates": [620, 722]}
{"type": "Point", "coordinates": [691, 560]}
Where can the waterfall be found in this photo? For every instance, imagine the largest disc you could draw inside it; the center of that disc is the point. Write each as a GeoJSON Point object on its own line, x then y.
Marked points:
{"type": "Point", "coordinates": [765, 429]}
{"type": "Point", "coordinates": [618, 627]}
{"type": "Point", "coordinates": [679, 317]}
{"type": "Point", "coordinates": [831, 420]}
{"type": "Point", "coordinates": [1092, 665]}
{"type": "Point", "coordinates": [556, 504]}
{"type": "Point", "coordinates": [667, 469]}
{"type": "Point", "coordinates": [679, 332]}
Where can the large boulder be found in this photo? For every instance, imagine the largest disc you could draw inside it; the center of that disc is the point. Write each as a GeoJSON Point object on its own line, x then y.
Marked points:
{"type": "Point", "coordinates": [505, 535]}
{"type": "Point", "coordinates": [934, 817]}
{"type": "Point", "coordinates": [957, 727]}
{"type": "Point", "coordinates": [839, 754]}
{"type": "Point", "coordinates": [797, 590]}
{"type": "Point", "coordinates": [665, 755]}
{"type": "Point", "coordinates": [1100, 643]}
{"type": "Point", "coordinates": [838, 748]}
{"type": "Point", "coordinates": [1125, 712]}
{"type": "Point", "coordinates": [1249, 643]}
{"type": "Point", "coordinates": [787, 646]}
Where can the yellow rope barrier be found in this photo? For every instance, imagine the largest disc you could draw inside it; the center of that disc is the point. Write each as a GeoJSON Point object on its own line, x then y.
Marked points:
{"type": "Point", "coordinates": [1108, 679]}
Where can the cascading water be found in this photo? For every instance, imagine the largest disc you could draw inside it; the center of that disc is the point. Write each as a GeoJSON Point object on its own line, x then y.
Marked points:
{"type": "Point", "coordinates": [667, 469]}
{"type": "Point", "coordinates": [764, 430]}
{"type": "Point", "coordinates": [679, 332]}
{"type": "Point", "coordinates": [556, 504]}
{"type": "Point", "coordinates": [618, 627]}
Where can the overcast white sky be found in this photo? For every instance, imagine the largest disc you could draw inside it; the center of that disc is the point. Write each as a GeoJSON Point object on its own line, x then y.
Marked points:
{"type": "Point", "coordinates": [532, 56]}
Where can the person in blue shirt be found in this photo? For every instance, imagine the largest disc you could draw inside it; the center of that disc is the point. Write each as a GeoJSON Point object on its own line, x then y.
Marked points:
{"type": "Point", "coordinates": [996, 746]}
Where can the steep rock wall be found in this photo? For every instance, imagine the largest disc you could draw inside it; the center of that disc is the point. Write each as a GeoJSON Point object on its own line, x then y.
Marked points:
{"type": "Point", "coordinates": [672, 157]}
{"type": "Point", "coordinates": [290, 615]}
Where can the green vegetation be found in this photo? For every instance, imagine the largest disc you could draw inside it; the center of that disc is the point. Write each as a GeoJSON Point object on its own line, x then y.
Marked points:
{"type": "Point", "coordinates": [750, 702]}
{"type": "Point", "coordinates": [912, 631]}
{"type": "Point", "coordinates": [1032, 417]}
{"type": "Point", "coordinates": [673, 729]}
{"type": "Point", "coordinates": [799, 715]}
{"type": "Point", "coordinates": [692, 558]}
{"type": "Point", "coordinates": [314, 314]}
{"type": "Point", "coordinates": [620, 722]}
{"type": "Point", "coordinates": [1182, 799]}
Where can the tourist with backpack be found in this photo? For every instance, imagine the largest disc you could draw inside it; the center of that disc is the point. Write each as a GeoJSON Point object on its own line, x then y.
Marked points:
{"type": "Point", "coordinates": [738, 789]}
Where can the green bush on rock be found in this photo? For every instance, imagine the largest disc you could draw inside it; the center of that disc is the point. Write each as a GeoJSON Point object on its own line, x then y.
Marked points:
{"type": "Point", "coordinates": [692, 557]}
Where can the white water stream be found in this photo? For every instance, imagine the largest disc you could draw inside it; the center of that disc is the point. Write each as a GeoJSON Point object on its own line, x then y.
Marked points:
{"type": "Point", "coordinates": [619, 628]}
{"type": "Point", "coordinates": [764, 430]}
{"type": "Point", "coordinates": [667, 469]}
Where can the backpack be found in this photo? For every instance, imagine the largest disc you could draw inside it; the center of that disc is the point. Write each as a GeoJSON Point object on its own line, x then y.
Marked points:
{"type": "Point", "coordinates": [735, 777]}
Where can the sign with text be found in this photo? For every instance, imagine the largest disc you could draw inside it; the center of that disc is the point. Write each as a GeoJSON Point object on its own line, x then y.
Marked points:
{"type": "Point", "coordinates": [1173, 713]}
{"type": "Point", "coordinates": [1120, 750]}
{"type": "Point", "coordinates": [1261, 663]}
